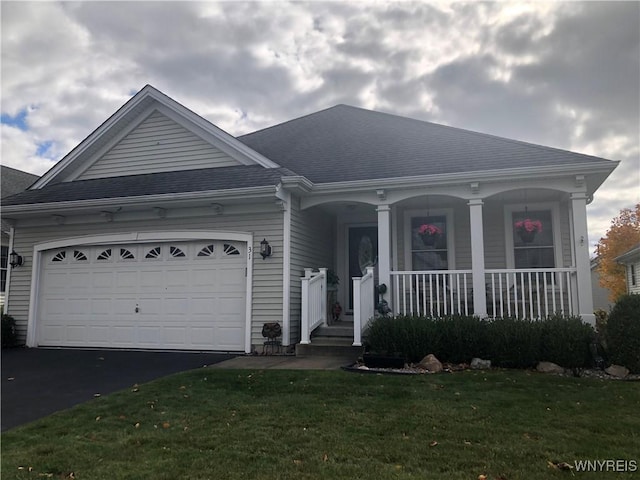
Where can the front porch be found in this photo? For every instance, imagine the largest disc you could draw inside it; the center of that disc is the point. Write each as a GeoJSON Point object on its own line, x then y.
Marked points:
{"type": "Point", "coordinates": [480, 262]}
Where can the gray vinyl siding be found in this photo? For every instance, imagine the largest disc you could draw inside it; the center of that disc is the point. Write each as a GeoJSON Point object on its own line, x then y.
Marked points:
{"type": "Point", "coordinates": [312, 240]}
{"type": "Point", "coordinates": [267, 274]}
{"type": "Point", "coordinates": [158, 144]}
{"type": "Point", "coordinates": [494, 235]}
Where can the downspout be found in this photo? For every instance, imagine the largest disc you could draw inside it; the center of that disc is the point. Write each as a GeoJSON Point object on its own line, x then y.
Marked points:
{"type": "Point", "coordinates": [7, 283]}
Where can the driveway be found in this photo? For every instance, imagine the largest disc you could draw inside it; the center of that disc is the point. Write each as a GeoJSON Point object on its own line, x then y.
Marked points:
{"type": "Point", "coordinates": [37, 382]}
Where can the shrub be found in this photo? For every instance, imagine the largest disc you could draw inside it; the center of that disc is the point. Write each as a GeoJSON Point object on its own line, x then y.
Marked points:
{"type": "Point", "coordinates": [566, 341]}
{"type": "Point", "coordinates": [508, 342]}
{"type": "Point", "coordinates": [513, 343]}
{"type": "Point", "coordinates": [623, 333]}
{"type": "Point", "coordinates": [9, 333]}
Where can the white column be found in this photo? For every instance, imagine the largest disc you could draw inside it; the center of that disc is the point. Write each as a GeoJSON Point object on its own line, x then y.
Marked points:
{"type": "Point", "coordinates": [477, 258]}
{"type": "Point", "coordinates": [384, 248]}
{"type": "Point", "coordinates": [581, 249]}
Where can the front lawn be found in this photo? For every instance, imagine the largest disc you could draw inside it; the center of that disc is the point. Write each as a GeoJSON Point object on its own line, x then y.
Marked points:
{"type": "Point", "coordinates": [276, 424]}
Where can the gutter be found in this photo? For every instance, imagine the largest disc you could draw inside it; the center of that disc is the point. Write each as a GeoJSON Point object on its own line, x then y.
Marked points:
{"type": "Point", "coordinates": [53, 207]}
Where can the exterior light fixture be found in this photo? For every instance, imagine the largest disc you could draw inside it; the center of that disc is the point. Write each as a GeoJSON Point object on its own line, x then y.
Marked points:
{"type": "Point", "coordinates": [15, 260]}
{"type": "Point", "coordinates": [265, 248]}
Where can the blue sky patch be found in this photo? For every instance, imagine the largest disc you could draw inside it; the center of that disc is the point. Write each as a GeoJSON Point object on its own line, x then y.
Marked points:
{"type": "Point", "coordinates": [43, 148]}
{"type": "Point", "coordinates": [19, 121]}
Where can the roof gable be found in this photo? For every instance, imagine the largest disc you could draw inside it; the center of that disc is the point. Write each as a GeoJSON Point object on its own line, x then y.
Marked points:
{"type": "Point", "coordinates": [131, 115]}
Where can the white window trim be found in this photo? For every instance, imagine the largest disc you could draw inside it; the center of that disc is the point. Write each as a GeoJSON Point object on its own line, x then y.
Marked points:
{"type": "Point", "coordinates": [448, 213]}
{"type": "Point", "coordinates": [140, 238]}
{"type": "Point", "coordinates": [510, 209]}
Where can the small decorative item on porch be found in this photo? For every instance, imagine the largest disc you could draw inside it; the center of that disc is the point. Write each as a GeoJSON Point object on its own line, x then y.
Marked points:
{"type": "Point", "coordinates": [336, 311]}
{"type": "Point", "coordinates": [527, 229]}
{"type": "Point", "coordinates": [271, 331]}
{"type": "Point", "coordinates": [429, 233]}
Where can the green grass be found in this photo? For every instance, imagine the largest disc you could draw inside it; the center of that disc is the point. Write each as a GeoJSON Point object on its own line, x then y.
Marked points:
{"type": "Point", "coordinates": [275, 424]}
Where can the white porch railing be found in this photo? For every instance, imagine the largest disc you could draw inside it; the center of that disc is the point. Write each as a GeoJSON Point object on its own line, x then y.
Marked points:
{"type": "Point", "coordinates": [314, 302]}
{"type": "Point", "coordinates": [530, 293]}
{"type": "Point", "coordinates": [432, 292]}
{"type": "Point", "coordinates": [363, 304]}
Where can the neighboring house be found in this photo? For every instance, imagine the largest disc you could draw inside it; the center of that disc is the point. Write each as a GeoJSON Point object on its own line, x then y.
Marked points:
{"type": "Point", "coordinates": [13, 181]}
{"type": "Point", "coordinates": [600, 294]}
{"type": "Point", "coordinates": [631, 262]}
{"type": "Point", "coordinates": [149, 233]}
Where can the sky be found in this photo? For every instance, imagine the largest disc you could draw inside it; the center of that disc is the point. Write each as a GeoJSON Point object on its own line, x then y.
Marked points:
{"type": "Point", "coordinates": [561, 74]}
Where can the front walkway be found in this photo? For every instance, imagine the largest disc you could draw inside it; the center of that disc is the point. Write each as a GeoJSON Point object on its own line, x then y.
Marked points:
{"type": "Point", "coordinates": [285, 362]}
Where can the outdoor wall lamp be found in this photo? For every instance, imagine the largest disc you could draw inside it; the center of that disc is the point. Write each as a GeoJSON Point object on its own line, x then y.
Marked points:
{"type": "Point", "coordinates": [15, 260]}
{"type": "Point", "coordinates": [265, 248]}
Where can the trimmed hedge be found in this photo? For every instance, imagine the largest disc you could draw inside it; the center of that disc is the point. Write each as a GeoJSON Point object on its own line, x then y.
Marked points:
{"type": "Point", "coordinates": [508, 342]}
{"type": "Point", "coordinates": [623, 333]}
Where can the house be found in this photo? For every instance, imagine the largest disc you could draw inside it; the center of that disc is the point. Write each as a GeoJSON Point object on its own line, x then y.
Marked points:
{"type": "Point", "coordinates": [12, 182]}
{"type": "Point", "coordinates": [159, 230]}
{"type": "Point", "coordinates": [600, 294]}
{"type": "Point", "coordinates": [631, 262]}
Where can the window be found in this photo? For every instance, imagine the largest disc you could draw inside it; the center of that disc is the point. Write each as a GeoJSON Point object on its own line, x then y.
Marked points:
{"type": "Point", "coordinates": [59, 257]}
{"type": "Point", "coordinates": [176, 252]}
{"type": "Point", "coordinates": [230, 249]}
{"type": "Point", "coordinates": [153, 253]}
{"type": "Point", "coordinates": [429, 251]}
{"type": "Point", "coordinates": [532, 239]}
{"type": "Point", "coordinates": [105, 255]}
{"type": "Point", "coordinates": [79, 256]}
{"type": "Point", "coordinates": [206, 251]}
{"type": "Point", "coordinates": [126, 254]}
{"type": "Point", "coordinates": [4, 261]}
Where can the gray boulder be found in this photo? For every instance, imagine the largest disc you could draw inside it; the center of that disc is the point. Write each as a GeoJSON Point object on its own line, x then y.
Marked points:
{"type": "Point", "coordinates": [617, 371]}
{"type": "Point", "coordinates": [480, 364]}
{"type": "Point", "coordinates": [549, 367]}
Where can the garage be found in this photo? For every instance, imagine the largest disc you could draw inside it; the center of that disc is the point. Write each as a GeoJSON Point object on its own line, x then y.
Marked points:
{"type": "Point", "coordinates": [169, 295]}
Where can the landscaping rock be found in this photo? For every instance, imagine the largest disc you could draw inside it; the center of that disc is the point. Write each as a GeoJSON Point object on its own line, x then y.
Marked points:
{"type": "Point", "coordinates": [431, 364]}
{"type": "Point", "coordinates": [549, 367]}
{"type": "Point", "coordinates": [617, 371]}
{"type": "Point", "coordinates": [480, 364]}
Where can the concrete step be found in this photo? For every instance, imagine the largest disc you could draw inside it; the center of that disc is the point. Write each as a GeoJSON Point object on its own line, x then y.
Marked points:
{"type": "Point", "coordinates": [325, 350]}
{"type": "Point", "coordinates": [344, 331]}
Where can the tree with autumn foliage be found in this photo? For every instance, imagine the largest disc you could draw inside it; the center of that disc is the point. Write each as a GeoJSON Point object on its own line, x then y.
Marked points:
{"type": "Point", "coordinates": [623, 235]}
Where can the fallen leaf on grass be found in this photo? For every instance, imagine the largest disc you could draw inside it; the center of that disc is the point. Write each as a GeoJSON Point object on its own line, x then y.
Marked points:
{"type": "Point", "coordinates": [482, 477]}
{"type": "Point", "coordinates": [298, 462]}
{"type": "Point", "coordinates": [137, 425]}
{"type": "Point", "coordinates": [98, 418]}
{"type": "Point", "coordinates": [166, 424]}
{"type": "Point", "coordinates": [325, 458]}
{"type": "Point", "coordinates": [560, 465]}
{"type": "Point", "coordinates": [467, 442]}
{"type": "Point", "coordinates": [433, 444]}
{"type": "Point", "coordinates": [96, 395]}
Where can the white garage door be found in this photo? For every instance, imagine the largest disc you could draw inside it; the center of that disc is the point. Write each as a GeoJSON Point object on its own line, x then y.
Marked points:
{"type": "Point", "coordinates": [181, 295]}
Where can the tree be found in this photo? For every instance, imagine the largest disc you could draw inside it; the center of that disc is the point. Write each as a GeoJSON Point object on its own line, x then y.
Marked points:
{"type": "Point", "coordinates": [623, 235]}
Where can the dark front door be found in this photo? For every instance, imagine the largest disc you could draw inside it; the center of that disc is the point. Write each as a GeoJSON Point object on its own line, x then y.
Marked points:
{"type": "Point", "coordinates": [363, 253]}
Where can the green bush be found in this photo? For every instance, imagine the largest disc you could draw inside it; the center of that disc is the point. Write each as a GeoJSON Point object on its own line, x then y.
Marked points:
{"type": "Point", "coordinates": [566, 341]}
{"type": "Point", "coordinates": [623, 333]}
{"type": "Point", "coordinates": [9, 333]}
{"type": "Point", "coordinates": [507, 342]}
{"type": "Point", "coordinates": [513, 343]}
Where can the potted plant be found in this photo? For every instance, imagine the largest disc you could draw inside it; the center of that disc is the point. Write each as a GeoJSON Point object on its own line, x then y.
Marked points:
{"type": "Point", "coordinates": [429, 233]}
{"type": "Point", "coordinates": [527, 229]}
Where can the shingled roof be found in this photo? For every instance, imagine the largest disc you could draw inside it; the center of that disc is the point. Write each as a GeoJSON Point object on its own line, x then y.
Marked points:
{"type": "Point", "coordinates": [349, 143]}
{"type": "Point", "coordinates": [206, 179]}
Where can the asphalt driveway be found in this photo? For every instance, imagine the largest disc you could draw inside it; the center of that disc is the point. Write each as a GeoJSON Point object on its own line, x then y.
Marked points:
{"type": "Point", "coordinates": [37, 382]}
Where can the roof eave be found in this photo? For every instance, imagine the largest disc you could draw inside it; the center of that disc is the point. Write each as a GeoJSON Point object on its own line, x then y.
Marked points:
{"type": "Point", "coordinates": [74, 206]}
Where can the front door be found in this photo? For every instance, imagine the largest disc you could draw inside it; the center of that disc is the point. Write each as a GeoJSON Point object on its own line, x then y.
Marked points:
{"type": "Point", "coordinates": [363, 253]}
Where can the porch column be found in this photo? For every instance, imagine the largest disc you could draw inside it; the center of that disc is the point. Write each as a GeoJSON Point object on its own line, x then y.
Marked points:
{"type": "Point", "coordinates": [477, 258]}
{"type": "Point", "coordinates": [384, 248]}
{"type": "Point", "coordinates": [581, 249]}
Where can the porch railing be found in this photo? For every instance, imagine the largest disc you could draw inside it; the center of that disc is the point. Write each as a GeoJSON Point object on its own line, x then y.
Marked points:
{"type": "Point", "coordinates": [314, 302]}
{"type": "Point", "coordinates": [432, 292]}
{"type": "Point", "coordinates": [518, 293]}
{"type": "Point", "coordinates": [530, 293]}
{"type": "Point", "coordinates": [363, 304]}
